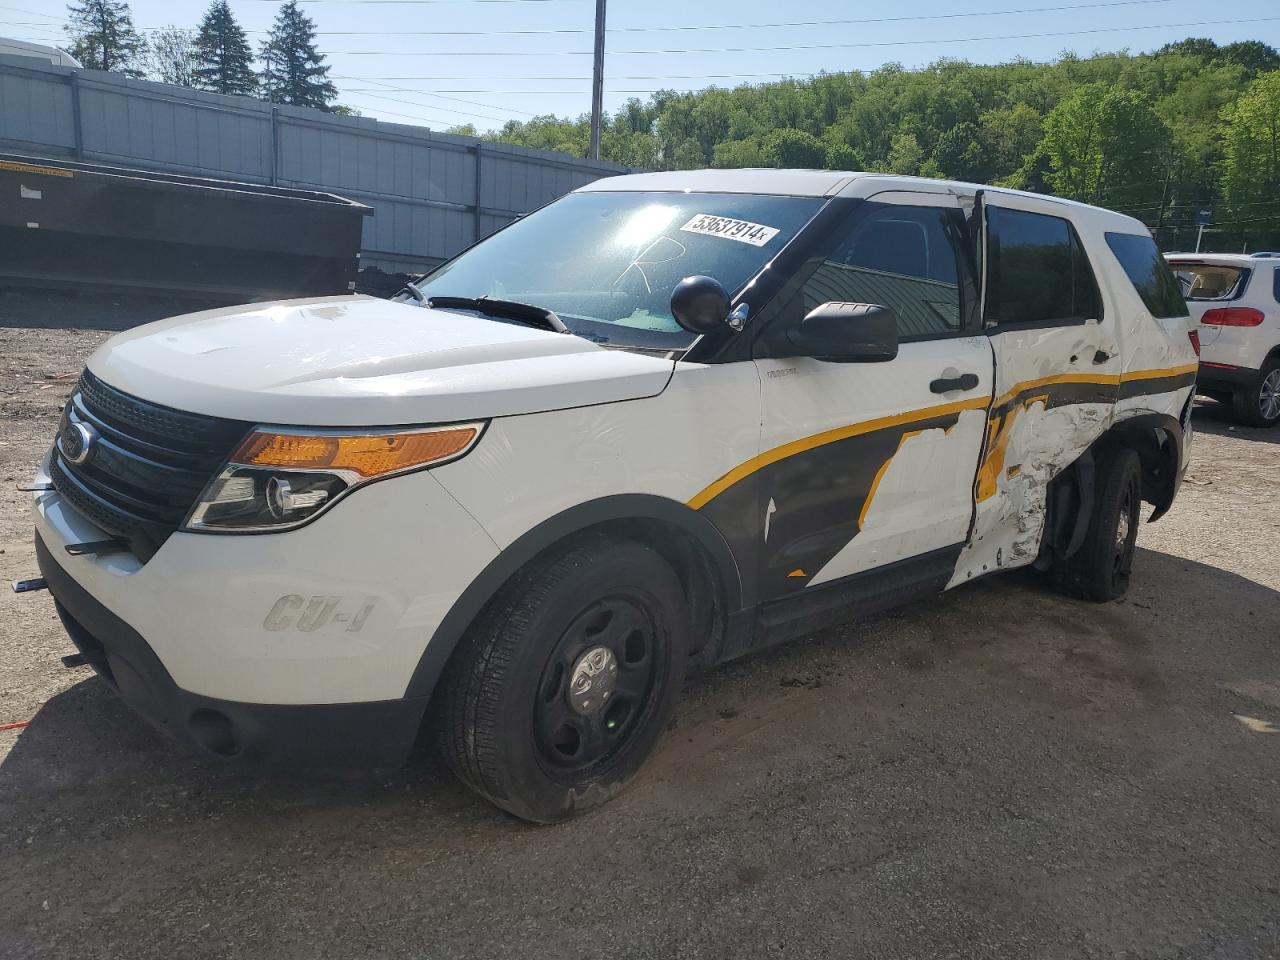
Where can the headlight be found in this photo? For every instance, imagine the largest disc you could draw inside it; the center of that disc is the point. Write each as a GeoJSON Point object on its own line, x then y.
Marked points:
{"type": "Point", "coordinates": [277, 480]}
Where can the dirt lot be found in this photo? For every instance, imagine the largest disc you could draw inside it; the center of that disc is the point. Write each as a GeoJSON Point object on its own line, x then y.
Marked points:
{"type": "Point", "coordinates": [998, 773]}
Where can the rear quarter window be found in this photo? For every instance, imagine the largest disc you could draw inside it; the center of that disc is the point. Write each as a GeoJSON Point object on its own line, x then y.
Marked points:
{"type": "Point", "coordinates": [1037, 270]}
{"type": "Point", "coordinates": [1150, 275]}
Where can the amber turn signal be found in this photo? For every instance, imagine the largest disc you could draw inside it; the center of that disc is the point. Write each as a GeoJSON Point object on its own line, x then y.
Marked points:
{"type": "Point", "coordinates": [369, 455]}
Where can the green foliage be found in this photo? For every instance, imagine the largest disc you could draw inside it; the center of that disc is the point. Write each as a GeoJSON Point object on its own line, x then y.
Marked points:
{"type": "Point", "coordinates": [1251, 173]}
{"type": "Point", "coordinates": [1143, 133]}
{"type": "Point", "coordinates": [223, 60]}
{"type": "Point", "coordinates": [293, 71]}
{"type": "Point", "coordinates": [793, 149]}
{"type": "Point", "coordinates": [103, 37]}
{"type": "Point", "coordinates": [1106, 146]}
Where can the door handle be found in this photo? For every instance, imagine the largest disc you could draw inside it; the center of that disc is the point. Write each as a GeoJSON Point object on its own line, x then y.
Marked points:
{"type": "Point", "coordinates": [966, 381]}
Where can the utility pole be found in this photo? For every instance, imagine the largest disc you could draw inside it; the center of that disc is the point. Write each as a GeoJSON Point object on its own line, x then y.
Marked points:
{"type": "Point", "coordinates": [597, 83]}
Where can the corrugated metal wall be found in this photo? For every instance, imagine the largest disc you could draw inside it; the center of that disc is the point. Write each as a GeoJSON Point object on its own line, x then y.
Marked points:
{"type": "Point", "coordinates": [432, 193]}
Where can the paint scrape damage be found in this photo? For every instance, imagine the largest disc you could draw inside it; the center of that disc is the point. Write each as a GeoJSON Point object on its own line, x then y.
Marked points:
{"type": "Point", "coordinates": [1047, 441]}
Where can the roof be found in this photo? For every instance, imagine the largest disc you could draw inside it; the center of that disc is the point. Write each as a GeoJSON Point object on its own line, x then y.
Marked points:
{"type": "Point", "coordinates": [826, 183]}
{"type": "Point", "coordinates": [790, 183]}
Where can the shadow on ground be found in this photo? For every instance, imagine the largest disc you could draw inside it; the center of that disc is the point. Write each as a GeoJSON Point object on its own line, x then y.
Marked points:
{"type": "Point", "coordinates": [1213, 417]}
{"type": "Point", "coordinates": [998, 767]}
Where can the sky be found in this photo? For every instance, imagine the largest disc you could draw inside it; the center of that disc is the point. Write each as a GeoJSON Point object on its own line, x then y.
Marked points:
{"type": "Point", "coordinates": [439, 63]}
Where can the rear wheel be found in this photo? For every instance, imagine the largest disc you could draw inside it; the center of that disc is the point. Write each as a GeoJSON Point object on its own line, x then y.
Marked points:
{"type": "Point", "coordinates": [562, 687]}
{"type": "Point", "coordinates": [1258, 405]}
{"type": "Point", "coordinates": [1100, 569]}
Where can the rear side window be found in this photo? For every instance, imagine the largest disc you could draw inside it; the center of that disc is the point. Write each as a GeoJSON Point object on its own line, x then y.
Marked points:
{"type": "Point", "coordinates": [1149, 273]}
{"type": "Point", "coordinates": [1037, 270]}
{"type": "Point", "coordinates": [1275, 285]}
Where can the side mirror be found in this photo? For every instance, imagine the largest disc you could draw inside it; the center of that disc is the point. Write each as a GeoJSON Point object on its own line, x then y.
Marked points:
{"type": "Point", "coordinates": [848, 332]}
{"type": "Point", "coordinates": [699, 304]}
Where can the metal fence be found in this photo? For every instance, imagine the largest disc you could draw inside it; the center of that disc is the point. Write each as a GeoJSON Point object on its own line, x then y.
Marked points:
{"type": "Point", "coordinates": [432, 193]}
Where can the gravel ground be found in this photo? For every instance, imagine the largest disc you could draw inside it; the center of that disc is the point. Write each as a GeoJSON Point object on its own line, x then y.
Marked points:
{"type": "Point", "coordinates": [997, 773]}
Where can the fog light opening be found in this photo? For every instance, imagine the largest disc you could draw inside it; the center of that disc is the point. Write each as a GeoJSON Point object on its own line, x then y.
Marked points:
{"type": "Point", "coordinates": [214, 731]}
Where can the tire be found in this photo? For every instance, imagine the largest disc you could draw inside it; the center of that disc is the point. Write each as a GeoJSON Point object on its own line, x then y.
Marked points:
{"type": "Point", "coordinates": [1258, 405]}
{"type": "Point", "coordinates": [1099, 570]}
{"type": "Point", "coordinates": [509, 725]}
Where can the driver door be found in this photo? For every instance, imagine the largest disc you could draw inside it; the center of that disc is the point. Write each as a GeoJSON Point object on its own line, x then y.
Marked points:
{"type": "Point", "coordinates": [871, 466]}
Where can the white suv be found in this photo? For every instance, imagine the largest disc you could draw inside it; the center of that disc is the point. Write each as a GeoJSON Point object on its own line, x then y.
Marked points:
{"type": "Point", "coordinates": [670, 416]}
{"type": "Point", "coordinates": [1235, 299]}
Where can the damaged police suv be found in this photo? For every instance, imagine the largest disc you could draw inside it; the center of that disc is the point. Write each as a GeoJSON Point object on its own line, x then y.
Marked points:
{"type": "Point", "coordinates": [668, 417]}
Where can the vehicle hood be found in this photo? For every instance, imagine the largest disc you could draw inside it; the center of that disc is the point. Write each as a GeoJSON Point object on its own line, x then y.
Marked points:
{"type": "Point", "coordinates": [359, 361]}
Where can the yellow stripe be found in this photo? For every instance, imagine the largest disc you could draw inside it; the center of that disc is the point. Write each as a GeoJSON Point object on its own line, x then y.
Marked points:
{"type": "Point", "coordinates": [744, 470]}
{"type": "Point", "coordinates": [1025, 385]}
{"type": "Point", "coordinates": [1159, 374]}
{"type": "Point", "coordinates": [30, 168]}
{"type": "Point", "coordinates": [1109, 379]}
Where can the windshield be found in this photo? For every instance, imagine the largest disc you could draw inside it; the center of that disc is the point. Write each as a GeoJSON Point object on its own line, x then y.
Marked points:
{"type": "Point", "coordinates": [606, 263]}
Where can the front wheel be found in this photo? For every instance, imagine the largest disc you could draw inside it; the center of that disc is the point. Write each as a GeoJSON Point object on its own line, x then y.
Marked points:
{"type": "Point", "coordinates": [561, 688]}
{"type": "Point", "coordinates": [1258, 405]}
{"type": "Point", "coordinates": [1099, 570]}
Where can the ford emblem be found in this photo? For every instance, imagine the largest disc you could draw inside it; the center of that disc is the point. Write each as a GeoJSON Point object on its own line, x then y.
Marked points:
{"type": "Point", "coordinates": [76, 442]}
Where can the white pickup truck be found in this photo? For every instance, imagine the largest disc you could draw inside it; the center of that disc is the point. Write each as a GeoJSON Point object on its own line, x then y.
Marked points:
{"type": "Point", "coordinates": [667, 417]}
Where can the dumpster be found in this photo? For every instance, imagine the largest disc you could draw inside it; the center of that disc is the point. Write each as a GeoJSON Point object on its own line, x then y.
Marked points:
{"type": "Point", "coordinates": [73, 225]}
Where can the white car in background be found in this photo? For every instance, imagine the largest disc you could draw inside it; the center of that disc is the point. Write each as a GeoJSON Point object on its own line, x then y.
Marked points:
{"type": "Point", "coordinates": [1235, 300]}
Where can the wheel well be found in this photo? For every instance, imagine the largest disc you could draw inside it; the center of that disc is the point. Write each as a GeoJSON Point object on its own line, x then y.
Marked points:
{"type": "Point", "coordinates": [685, 539]}
{"type": "Point", "coordinates": [1156, 438]}
{"type": "Point", "coordinates": [694, 566]}
{"type": "Point", "coordinates": [1158, 443]}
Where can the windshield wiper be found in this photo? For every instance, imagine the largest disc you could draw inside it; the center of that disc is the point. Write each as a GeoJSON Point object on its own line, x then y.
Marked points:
{"type": "Point", "coordinates": [526, 313]}
{"type": "Point", "coordinates": [414, 289]}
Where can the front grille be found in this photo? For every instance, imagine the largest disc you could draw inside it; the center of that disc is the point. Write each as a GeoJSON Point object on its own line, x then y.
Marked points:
{"type": "Point", "coordinates": [146, 466]}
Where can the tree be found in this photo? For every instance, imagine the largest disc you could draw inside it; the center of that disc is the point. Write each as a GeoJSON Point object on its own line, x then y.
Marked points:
{"type": "Point", "coordinates": [293, 71]}
{"type": "Point", "coordinates": [223, 60]}
{"type": "Point", "coordinates": [170, 56]}
{"type": "Point", "coordinates": [1251, 174]}
{"type": "Point", "coordinates": [905, 154]}
{"type": "Point", "coordinates": [1254, 55]}
{"type": "Point", "coordinates": [1106, 146]}
{"type": "Point", "coordinates": [960, 153]}
{"type": "Point", "coordinates": [841, 156]}
{"type": "Point", "coordinates": [790, 148]}
{"type": "Point", "coordinates": [103, 37]}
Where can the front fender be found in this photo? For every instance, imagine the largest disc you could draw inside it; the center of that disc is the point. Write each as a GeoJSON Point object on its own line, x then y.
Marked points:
{"type": "Point", "coordinates": [555, 530]}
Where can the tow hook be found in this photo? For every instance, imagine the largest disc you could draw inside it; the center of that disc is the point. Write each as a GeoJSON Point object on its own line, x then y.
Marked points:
{"type": "Point", "coordinates": [30, 586]}
{"type": "Point", "coordinates": [94, 548]}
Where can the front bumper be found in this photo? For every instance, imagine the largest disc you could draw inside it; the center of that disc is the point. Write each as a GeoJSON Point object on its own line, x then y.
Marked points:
{"type": "Point", "coordinates": [374, 734]}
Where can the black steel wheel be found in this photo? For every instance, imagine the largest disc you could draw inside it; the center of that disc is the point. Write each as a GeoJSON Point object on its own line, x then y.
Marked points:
{"type": "Point", "coordinates": [596, 686]}
{"type": "Point", "coordinates": [563, 685]}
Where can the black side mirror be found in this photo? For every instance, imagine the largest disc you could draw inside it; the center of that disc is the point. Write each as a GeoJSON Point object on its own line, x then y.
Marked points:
{"type": "Point", "coordinates": [699, 304]}
{"type": "Point", "coordinates": [849, 332]}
